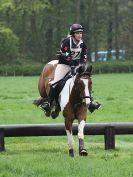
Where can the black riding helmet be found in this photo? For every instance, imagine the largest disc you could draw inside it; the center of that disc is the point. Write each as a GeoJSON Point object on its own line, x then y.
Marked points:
{"type": "Point", "coordinates": [76, 28]}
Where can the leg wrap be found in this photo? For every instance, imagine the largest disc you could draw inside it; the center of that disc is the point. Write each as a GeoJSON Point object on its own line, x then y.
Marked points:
{"type": "Point", "coordinates": [81, 130]}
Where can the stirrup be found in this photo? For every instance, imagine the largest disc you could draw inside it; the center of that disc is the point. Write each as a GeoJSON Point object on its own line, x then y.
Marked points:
{"type": "Point", "coordinates": [93, 106]}
{"type": "Point", "coordinates": [45, 106]}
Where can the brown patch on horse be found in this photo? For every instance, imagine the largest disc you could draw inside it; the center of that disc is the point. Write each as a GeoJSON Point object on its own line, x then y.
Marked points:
{"type": "Point", "coordinates": [75, 108]}
{"type": "Point", "coordinates": [47, 75]}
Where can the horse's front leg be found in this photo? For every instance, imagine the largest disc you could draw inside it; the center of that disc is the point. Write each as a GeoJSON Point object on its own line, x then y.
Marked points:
{"type": "Point", "coordinates": [82, 150]}
{"type": "Point", "coordinates": [68, 127]}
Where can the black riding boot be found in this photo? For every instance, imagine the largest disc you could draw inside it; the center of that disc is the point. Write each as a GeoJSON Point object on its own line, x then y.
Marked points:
{"type": "Point", "coordinates": [93, 106]}
{"type": "Point", "coordinates": [47, 105]}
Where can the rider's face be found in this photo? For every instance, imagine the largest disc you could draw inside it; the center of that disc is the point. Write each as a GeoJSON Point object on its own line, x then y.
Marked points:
{"type": "Point", "coordinates": [78, 36]}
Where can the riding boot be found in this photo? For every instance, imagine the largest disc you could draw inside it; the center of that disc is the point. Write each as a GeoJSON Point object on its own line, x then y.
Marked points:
{"type": "Point", "coordinates": [47, 105]}
{"type": "Point", "coordinates": [93, 106]}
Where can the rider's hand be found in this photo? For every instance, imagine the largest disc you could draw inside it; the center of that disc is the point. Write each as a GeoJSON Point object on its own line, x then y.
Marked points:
{"type": "Point", "coordinates": [68, 59]}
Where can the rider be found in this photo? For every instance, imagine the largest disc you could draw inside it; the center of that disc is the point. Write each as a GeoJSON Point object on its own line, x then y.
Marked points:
{"type": "Point", "coordinates": [73, 53]}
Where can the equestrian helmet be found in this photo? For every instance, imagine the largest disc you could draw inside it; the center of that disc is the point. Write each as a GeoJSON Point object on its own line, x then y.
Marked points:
{"type": "Point", "coordinates": [76, 28]}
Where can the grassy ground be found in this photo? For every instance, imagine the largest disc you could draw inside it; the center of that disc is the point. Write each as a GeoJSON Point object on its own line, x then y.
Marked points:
{"type": "Point", "coordinates": [48, 156]}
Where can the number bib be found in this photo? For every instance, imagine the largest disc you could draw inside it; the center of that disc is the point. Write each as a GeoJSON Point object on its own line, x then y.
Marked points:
{"type": "Point", "coordinates": [75, 53]}
{"type": "Point", "coordinates": [75, 49]}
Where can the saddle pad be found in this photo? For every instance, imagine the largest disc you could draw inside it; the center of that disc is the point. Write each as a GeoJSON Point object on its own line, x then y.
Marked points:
{"type": "Point", "coordinates": [65, 93]}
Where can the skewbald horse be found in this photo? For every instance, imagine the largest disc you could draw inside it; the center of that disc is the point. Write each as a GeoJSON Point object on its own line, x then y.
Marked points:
{"type": "Point", "coordinates": [72, 101]}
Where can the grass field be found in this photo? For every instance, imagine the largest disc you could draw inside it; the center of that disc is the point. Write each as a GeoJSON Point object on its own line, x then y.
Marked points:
{"type": "Point", "coordinates": [48, 156]}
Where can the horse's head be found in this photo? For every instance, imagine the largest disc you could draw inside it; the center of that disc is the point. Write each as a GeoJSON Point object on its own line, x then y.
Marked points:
{"type": "Point", "coordinates": [82, 84]}
{"type": "Point", "coordinates": [84, 75]}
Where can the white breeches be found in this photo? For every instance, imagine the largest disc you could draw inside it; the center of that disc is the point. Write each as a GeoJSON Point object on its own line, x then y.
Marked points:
{"type": "Point", "coordinates": [60, 71]}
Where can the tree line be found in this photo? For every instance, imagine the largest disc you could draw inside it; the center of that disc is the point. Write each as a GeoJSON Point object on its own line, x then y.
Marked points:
{"type": "Point", "coordinates": [31, 30]}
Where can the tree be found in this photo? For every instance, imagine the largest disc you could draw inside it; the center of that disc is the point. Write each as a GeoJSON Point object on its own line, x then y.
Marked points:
{"type": "Point", "coordinates": [110, 29]}
{"type": "Point", "coordinates": [40, 25]}
{"type": "Point", "coordinates": [8, 45]}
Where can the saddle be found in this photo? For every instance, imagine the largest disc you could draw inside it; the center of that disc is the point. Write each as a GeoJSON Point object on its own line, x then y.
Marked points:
{"type": "Point", "coordinates": [56, 90]}
{"type": "Point", "coordinates": [58, 86]}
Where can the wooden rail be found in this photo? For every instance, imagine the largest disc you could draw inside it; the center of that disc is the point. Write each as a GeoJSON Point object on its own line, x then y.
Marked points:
{"type": "Point", "coordinates": [109, 130]}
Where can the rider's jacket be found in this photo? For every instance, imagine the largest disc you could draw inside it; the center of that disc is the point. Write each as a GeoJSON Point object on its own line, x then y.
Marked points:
{"type": "Point", "coordinates": [72, 53]}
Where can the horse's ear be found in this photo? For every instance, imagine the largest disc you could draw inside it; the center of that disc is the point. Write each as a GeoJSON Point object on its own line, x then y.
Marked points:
{"type": "Point", "coordinates": [89, 70]}
{"type": "Point", "coordinates": [81, 69]}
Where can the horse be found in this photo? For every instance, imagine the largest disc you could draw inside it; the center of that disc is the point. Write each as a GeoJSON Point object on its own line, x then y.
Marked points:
{"type": "Point", "coordinates": [72, 101]}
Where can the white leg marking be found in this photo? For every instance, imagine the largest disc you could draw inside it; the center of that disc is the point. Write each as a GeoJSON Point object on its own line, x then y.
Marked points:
{"type": "Point", "coordinates": [81, 129]}
{"type": "Point", "coordinates": [70, 139]}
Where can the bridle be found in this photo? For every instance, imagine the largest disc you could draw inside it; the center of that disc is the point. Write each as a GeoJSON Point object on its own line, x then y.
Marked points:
{"type": "Point", "coordinates": [85, 75]}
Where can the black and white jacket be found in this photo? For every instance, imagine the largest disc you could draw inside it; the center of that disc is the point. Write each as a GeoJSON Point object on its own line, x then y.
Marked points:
{"type": "Point", "coordinates": [72, 53]}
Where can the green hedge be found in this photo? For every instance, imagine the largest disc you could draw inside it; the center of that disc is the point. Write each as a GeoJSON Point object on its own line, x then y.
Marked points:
{"type": "Point", "coordinates": [21, 70]}
{"type": "Point", "coordinates": [32, 69]}
{"type": "Point", "coordinates": [116, 66]}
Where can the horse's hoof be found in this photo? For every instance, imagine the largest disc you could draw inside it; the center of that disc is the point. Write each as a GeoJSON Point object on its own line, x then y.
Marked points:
{"type": "Point", "coordinates": [71, 152]}
{"type": "Point", "coordinates": [83, 152]}
{"type": "Point", "coordinates": [54, 114]}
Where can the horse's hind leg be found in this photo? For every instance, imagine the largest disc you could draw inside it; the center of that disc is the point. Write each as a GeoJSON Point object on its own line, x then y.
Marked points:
{"type": "Point", "coordinates": [68, 127]}
{"type": "Point", "coordinates": [82, 150]}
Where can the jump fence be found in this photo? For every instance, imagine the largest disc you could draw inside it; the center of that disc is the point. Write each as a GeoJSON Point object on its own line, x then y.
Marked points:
{"type": "Point", "coordinates": [109, 130]}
